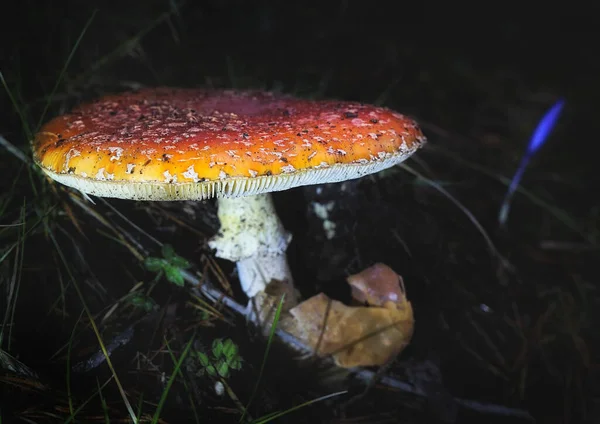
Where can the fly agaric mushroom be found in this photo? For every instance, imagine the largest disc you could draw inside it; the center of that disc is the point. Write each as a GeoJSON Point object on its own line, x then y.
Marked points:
{"type": "Point", "coordinates": [238, 146]}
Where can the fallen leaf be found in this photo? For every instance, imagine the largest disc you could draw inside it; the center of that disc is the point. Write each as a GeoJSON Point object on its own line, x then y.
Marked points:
{"type": "Point", "coordinates": [358, 335]}
{"type": "Point", "coordinates": [377, 285]}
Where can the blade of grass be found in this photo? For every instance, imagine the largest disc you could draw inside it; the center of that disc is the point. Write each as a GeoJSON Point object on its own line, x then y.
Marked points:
{"type": "Point", "coordinates": [118, 235]}
{"type": "Point", "coordinates": [93, 324]}
{"type": "Point", "coordinates": [270, 417]}
{"type": "Point", "coordinates": [183, 379]}
{"type": "Point", "coordinates": [103, 403]}
{"type": "Point", "coordinates": [64, 68]}
{"type": "Point", "coordinates": [165, 393]}
{"type": "Point", "coordinates": [88, 400]}
{"type": "Point", "coordinates": [266, 355]}
{"type": "Point", "coordinates": [122, 48]}
{"type": "Point", "coordinates": [68, 373]}
{"type": "Point", "coordinates": [30, 229]}
{"type": "Point", "coordinates": [130, 222]}
{"type": "Point", "coordinates": [15, 284]}
{"type": "Point", "coordinates": [19, 111]}
{"type": "Point", "coordinates": [12, 149]}
{"type": "Point", "coordinates": [20, 256]}
{"type": "Point", "coordinates": [491, 246]}
{"type": "Point", "coordinates": [140, 406]}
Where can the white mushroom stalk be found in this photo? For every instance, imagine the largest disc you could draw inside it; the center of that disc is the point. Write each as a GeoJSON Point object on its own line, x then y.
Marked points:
{"type": "Point", "coordinates": [253, 237]}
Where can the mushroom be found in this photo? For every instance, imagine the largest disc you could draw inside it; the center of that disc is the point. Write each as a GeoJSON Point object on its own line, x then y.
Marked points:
{"type": "Point", "coordinates": [169, 144]}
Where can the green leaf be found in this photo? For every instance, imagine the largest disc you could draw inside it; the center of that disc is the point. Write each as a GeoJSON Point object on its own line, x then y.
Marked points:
{"type": "Point", "coordinates": [203, 358]}
{"type": "Point", "coordinates": [137, 300]}
{"type": "Point", "coordinates": [223, 369]}
{"type": "Point", "coordinates": [173, 274]}
{"type": "Point", "coordinates": [211, 370]}
{"type": "Point", "coordinates": [168, 252]}
{"type": "Point", "coordinates": [230, 350]}
{"type": "Point", "coordinates": [179, 262]}
{"type": "Point", "coordinates": [235, 363]}
{"type": "Point", "coordinates": [149, 305]}
{"type": "Point", "coordinates": [141, 301]}
{"type": "Point", "coordinates": [154, 264]}
{"type": "Point", "coordinates": [217, 348]}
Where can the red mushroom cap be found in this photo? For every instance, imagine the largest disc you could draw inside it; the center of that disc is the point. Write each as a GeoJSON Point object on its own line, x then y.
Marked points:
{"type": "Point", "coordinates": [176, 144]}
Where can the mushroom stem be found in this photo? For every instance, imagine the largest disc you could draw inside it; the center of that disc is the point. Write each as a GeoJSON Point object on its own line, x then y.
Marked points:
{"type": "Point", "coordinates": [252, 235]}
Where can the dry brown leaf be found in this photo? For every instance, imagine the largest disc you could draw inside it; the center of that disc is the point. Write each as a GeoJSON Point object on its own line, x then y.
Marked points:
{"type": "Point", "coordinates": [358, 335]}
{"type": "Point", "coordinates": [377, 285]}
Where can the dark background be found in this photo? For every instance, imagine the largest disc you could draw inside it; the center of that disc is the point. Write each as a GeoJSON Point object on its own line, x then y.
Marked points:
{"type": "Point", "coordinates": [478, 79]}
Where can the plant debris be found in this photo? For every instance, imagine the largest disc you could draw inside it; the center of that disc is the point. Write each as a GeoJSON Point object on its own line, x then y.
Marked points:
{"type": "Point", "coordinates": [357, 335]}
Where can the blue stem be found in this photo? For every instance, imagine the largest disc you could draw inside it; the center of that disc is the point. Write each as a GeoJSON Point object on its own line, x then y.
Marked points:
{"type": "Point", "coordinates": [540, 135]}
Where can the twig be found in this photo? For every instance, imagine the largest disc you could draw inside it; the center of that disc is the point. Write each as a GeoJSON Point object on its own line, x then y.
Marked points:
{"type": "Point", "coordinates": [98, 358]}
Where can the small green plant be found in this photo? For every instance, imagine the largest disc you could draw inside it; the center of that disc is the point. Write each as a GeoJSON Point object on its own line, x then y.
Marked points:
{"type": "Point", "coordinates": [141, 301]}
{"type": "Point", "coordinates": [225, 357]}
{"type": "Point", "coordinates": [170, 265]}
